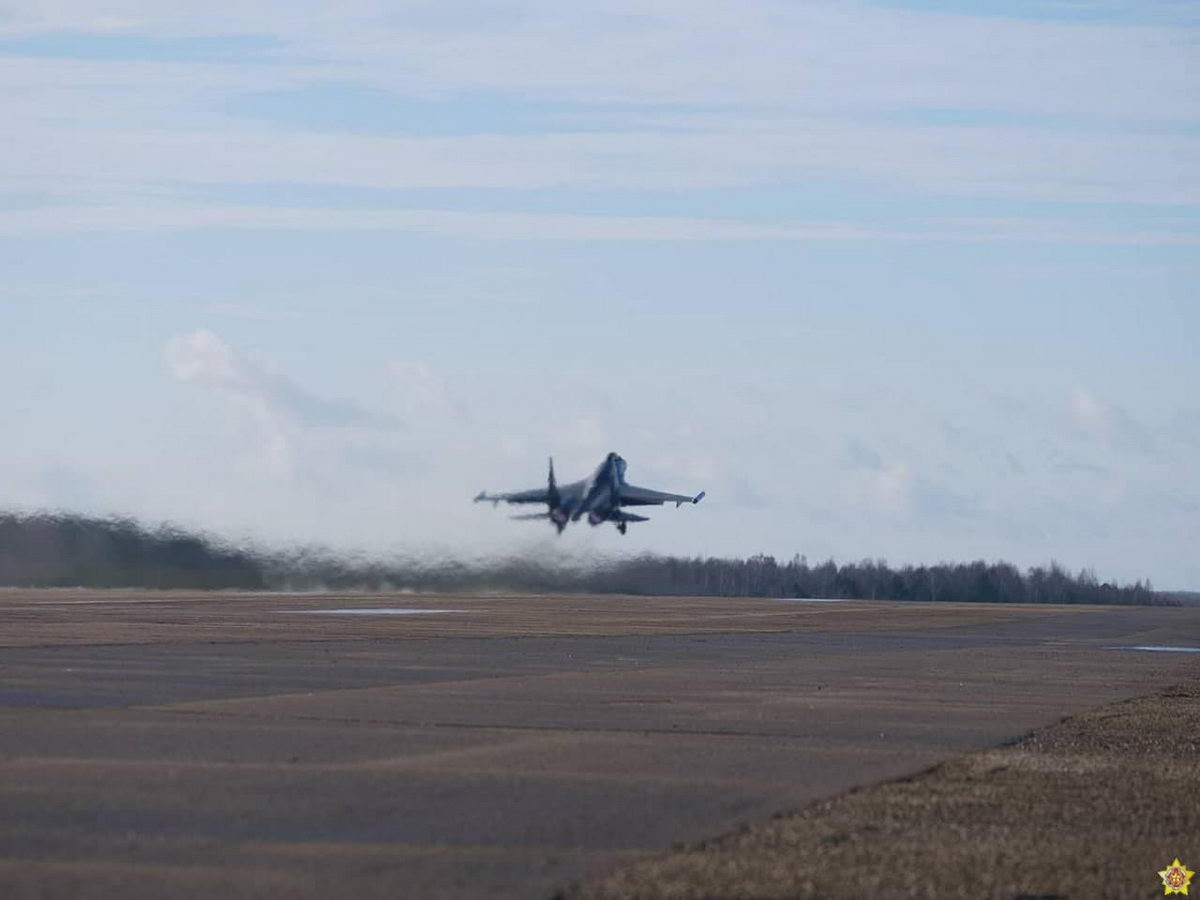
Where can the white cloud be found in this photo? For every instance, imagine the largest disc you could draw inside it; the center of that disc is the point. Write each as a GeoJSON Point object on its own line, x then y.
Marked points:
{"type": "Point", "coordinates": [1097, 419]}
{"type": "Point", "coordinates": [203, 358]}
{"type": "Point", "coordinates": [283, 413]}
{"type": "Point", "coordinates": [887, 489]}
{"type": "Point", "coordinates": [1087, 410]}
{"type": "Point", "coordinates": [420, 390]}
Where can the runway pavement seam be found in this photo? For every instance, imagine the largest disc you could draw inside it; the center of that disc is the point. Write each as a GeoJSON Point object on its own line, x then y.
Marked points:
{"type": "Point", "coordinates": [409, 723]}
{"type": "Point", "coordinates": [424, 765]}
{"type": "Point", "coordinates": [405, 685]}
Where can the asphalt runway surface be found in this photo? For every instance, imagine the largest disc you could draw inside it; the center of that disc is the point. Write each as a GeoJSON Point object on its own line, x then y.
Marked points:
{"type": "Point", "coordinates": [260, 745]}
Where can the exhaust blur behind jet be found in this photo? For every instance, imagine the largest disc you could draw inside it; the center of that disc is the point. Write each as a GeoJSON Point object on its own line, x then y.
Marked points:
{"type": "Point", "coordinates": [600, 497]}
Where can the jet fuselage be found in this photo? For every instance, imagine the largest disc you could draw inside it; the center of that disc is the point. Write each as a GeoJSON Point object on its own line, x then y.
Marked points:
{"type": "Point", "coordinates": [599, 497]}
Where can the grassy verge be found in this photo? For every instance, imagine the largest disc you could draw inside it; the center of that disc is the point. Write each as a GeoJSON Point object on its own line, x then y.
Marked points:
{"type": "Point", "coordinates": [1090, 807]}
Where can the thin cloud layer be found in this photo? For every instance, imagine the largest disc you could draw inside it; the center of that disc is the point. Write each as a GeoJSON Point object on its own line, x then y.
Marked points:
{"type": "Point", "coordinates": [110, 109]}
{"type": "Point", "coordinates": [280, 409]}
{"type": "Point", "coordinates": [884, 280]}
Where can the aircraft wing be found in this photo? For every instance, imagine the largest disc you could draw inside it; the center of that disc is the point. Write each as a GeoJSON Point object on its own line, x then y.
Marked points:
{"type": "Point", "coordinates": [534, 495]}
{"type": "Point", "coordinates": [639, 496]}
{"type": "Point", "coordinates": [537, 495]}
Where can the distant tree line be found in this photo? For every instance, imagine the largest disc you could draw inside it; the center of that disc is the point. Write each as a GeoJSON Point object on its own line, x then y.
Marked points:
{"type": "Point", "coordinates": [758, 576]}
{"type": "Point", "coordinates": [73, 551]}
{"type": "Point", "coordinates": [975, 582]}
{"type": "Point", "coordinates": [48, 550]}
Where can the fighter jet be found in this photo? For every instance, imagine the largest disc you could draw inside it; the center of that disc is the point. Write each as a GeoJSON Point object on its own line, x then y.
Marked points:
{"type": "Point", "coordinates": [599, 497]}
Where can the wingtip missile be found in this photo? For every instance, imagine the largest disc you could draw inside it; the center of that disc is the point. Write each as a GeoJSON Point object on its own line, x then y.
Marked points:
{"type": "Point", "coordinates": [699, 497]}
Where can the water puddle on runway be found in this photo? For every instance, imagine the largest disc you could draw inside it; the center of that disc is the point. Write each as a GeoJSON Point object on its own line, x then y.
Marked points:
{"type": "Point", "coordinates": [1159, 648]}
{"type": "Point", "coordinates": [375, 611]}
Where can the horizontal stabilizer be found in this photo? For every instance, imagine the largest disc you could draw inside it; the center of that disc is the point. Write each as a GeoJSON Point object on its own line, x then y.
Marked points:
{"type": "Point", "coordinates": [532, 516]}
{"type": "Point", "coordinates": [621, 516]}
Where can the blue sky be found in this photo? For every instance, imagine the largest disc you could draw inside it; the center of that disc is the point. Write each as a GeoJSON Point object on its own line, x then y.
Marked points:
{"type": "Point", "coordinates": [887, 279]}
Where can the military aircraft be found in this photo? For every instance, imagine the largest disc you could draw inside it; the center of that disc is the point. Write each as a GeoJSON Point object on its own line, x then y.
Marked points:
{"type": "Point", "coordinates": [600, 497]}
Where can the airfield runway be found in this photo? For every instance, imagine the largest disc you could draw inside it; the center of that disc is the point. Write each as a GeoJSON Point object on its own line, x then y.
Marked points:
{"type": "Point", "coordinates": [319, 745]}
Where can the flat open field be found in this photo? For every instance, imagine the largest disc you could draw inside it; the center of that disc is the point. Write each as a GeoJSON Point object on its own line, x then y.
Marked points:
{"type": "Point", "coordinates": [264, 745]}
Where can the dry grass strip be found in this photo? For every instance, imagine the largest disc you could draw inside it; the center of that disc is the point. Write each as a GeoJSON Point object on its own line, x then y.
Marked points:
{"type": "Point", "coordinates": [1090, 807]}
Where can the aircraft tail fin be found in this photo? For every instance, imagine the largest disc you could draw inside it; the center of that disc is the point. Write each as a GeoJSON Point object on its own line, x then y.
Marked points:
{"type": "Point", "coordinates": [552, 487]}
